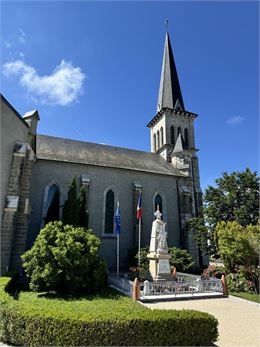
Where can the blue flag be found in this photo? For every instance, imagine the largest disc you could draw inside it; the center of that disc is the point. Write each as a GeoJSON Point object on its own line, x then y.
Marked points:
{"type": "Point", "coordinates": [117, 220]}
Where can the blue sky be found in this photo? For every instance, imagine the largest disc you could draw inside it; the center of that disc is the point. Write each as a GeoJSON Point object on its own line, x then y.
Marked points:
{"type": "Point", "coordinates": [92, 70]}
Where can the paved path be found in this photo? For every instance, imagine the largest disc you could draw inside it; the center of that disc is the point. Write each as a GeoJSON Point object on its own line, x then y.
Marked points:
{"type": "Point", "coordinates": [239, 320]}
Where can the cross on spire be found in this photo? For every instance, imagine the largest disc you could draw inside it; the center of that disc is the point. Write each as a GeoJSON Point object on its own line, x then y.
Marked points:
{"type": "Point", "coordinates": [166, 22]}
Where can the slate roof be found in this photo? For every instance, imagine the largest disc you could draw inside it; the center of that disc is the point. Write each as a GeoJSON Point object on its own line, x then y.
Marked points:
{"type": "Point", "coordinates": [71, 151]}
{"type": "Point", "coordinates": [170, 90]}
{"type": "Point", "coordinates": [178, 148]}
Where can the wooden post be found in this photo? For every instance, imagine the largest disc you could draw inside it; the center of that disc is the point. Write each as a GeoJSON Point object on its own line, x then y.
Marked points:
{"type": "Point", "coordinates": [174, 274]}
{"type": "Point", "coordinates": [136, 289]}
{"type": "Point", "coordinates": [224, 285]}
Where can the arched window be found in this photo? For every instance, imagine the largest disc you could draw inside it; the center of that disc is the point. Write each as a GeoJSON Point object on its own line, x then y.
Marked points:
{"type": "Point", "coordinates": [161, 136]}
{"type": "Point", "coordinates": [109, 212]}
{"type": "Point", "coordinates": [158, 139]}
{"type": "Point", "coordinates": [178, 131]}
{"type": "Point", "coordinates": [172, 135]}
{"type": "Point", "coordinates": [154, 142]}
{"type": "Point", "coordinates": [186, 138]}
{"type": "Point", "coordinates": [158, 202]}
{"type": "Point", "coordinates": [52, 206]}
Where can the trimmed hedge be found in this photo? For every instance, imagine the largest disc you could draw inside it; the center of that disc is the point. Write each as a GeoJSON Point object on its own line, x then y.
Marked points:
{"type": "Point", "coordinates": [24, 325]}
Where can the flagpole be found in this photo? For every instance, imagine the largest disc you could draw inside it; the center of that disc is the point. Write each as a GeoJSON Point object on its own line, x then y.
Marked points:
{"type": "Point", "coordinates": [139, 244]}
{"type": "Point", "coordinates": [117, 262]}
{"type": "Point", "coordinates": [118, 229]}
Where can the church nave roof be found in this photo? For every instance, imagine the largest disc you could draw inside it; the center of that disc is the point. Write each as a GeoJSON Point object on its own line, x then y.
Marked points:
{"type": "Point", "coordinates": [67, 150]}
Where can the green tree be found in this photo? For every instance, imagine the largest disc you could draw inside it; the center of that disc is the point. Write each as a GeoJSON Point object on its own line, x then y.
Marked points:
{"type": "Point", "coordinates": [239, 248]}
{"type": "Point", "coordinates": [65, 259]}
{"type": "Point", "coordinates": [83, 215]}
{"type": "Point", "coordinates": [234, 199]}
{"type": "Point", "coordinates": [72, 206]}
{"type": "Point", "coordinates": [238, 245]}
{"type": "Point", "coordinates": [53, 212]}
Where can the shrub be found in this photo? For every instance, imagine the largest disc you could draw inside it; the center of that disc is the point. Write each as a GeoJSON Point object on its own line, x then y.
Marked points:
{"type": "Point", "coordinates": [213, 271]}
{"type": "Point", "coordinates": [251, 273]}
{"type": "Point", "coordinates": [24, 325]}
{"type": "Point", "coordinates": [65, 259]}
{"type": "Point", "coordinates": [181, 259]}
{"type": "Point", "coordinates": [237, 282]}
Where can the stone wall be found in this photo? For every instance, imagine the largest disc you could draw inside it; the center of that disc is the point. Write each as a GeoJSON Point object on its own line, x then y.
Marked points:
{"type": "Point", "coordinates": [126, 184]}
{"type": "Point", "coordinates": [16, 211]}
{"type": "Point", "coordinates": [13, 129]}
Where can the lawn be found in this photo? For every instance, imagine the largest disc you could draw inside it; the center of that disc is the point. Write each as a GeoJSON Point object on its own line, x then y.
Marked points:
{"type": "Point", "coordinates": [107, 319]}
{"type": "Point", "coordinates": [110, 301]}
{"type": "Point", "coordinates": [248, 296]}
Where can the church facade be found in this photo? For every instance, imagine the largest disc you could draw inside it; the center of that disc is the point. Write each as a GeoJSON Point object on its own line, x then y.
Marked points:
{"type": "Point", "coordinates": [36, 166]}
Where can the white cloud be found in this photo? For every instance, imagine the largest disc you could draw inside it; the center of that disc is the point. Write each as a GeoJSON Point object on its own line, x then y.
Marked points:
{"type": "Point", "coordinates": [21, 55]}
{"type": "Point", "coordinates": [8, 44]}
{"type": "Point", "coordinates": [61, 87]}
{"type": "Point", "coordinates": [22, 36]}
{"type": "Point", "coordinates": [235, 120]}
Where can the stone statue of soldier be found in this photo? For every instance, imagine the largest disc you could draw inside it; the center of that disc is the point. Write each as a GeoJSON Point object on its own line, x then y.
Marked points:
{"type": "Point", "coordinates": [158, 256]}
{"type": "Point", "coordinates": [162, 241]}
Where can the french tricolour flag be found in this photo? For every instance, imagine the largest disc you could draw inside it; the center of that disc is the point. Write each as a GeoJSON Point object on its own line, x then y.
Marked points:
{"type": "Point", "coordinates": [139, 207]}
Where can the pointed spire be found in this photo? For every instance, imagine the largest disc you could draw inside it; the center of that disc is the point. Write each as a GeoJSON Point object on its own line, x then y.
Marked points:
{"type": "Point", "coordinates": [178, 148]}
{"type": "Point", "coordinates": [169, 91]}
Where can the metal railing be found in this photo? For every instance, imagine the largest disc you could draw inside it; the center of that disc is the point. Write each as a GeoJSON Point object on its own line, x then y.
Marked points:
{"type": "Point", "coordinates": [184, 284]}
{"type": "Point", "coordinates": [121, 283]}
{"type": "Point", "coordinates": [181, 286]}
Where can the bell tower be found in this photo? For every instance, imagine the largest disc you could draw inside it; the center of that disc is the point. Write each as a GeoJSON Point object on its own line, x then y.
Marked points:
{"type": "Point", "coordinates": [172, 137]}
{"type": "Point", "coordinates": [171, 118]}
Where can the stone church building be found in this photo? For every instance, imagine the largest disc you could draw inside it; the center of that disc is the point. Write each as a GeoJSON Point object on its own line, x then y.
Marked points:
{"type": "Point", "coordinates": [34, 167]}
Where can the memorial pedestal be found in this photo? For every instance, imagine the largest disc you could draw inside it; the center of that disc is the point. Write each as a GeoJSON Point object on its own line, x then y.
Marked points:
{"type": "Point", "coordinates": [159, 266]}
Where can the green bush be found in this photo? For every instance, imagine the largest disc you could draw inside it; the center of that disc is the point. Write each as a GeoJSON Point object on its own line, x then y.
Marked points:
{"type": "Point", "coordinates": [213, 271]}
{"type": "Point", "coordinates": [65, 259]}
{"type": "Point", "coordinates": [181, 259]}
{"type": "Point", "coordinates": [237, 282]}
{"type": "Point", "coordinates": [21, 324]}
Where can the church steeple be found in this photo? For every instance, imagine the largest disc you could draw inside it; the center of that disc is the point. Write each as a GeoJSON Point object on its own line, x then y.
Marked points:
{"type": "Point", "coordinates": [171, 123]}
{"type": "Point", "coordinates": [169, 92]}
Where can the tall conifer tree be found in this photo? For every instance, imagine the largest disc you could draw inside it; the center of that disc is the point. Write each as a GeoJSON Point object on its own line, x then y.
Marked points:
{"type": "Point", "coordinates": [83, 215]}
{"type": "Point", "coordinates": [71, 206]}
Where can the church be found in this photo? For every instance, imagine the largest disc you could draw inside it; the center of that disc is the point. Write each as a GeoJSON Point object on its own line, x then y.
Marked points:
{"type": "Point", "coordinates": [35, 166]}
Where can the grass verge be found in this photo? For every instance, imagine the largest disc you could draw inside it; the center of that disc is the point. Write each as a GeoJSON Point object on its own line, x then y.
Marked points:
{"type": "Point", "coordinates": [248, 296]}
